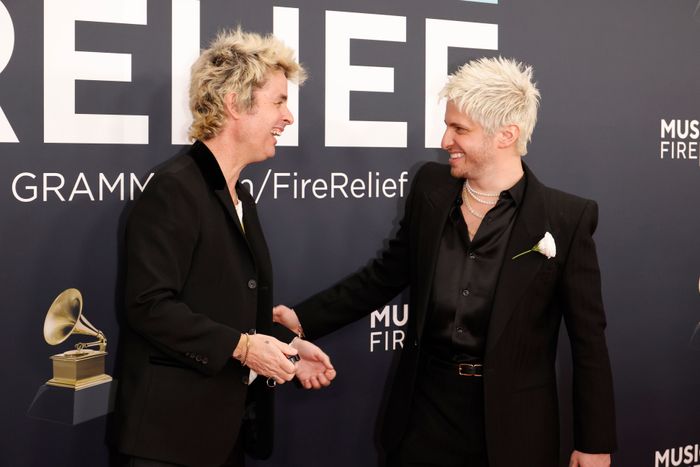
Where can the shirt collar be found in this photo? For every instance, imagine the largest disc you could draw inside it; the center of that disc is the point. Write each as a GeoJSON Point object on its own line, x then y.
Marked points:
{"type": "Point", "coordinates": [517, 191]}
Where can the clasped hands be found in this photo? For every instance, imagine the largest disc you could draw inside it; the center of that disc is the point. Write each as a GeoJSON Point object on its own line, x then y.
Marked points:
{"type": "Point", "coordinates": [269, 357]}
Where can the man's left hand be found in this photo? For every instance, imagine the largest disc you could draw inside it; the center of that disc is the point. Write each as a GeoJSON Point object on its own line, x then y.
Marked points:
{"type": "Point", "coordinates": [582, 459]}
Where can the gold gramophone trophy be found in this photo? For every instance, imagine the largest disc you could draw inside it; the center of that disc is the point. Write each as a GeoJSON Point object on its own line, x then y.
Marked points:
{"type": "Point", "coordinates": [83, 367]}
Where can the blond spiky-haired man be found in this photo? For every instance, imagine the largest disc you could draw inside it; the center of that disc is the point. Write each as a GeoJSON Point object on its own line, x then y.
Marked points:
{"type": "Point", "coordinates": [476, 383]}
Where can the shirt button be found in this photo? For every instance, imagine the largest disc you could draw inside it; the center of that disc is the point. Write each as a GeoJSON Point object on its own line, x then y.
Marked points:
{"type": "Point", "coordinates": [252, 284]}
{"type": "Point", "coordinates": [465, 292]}
{"type": "Point", "coordinates": [460, 330]}
{"type": "Point", "coordinates": [472, 255]}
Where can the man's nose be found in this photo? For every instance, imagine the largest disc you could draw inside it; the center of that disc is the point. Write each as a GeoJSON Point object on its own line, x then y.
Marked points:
{"type": "Point", "coordinates": [446, 142]}
{"type": "Point", "coordinates": [288, 117]}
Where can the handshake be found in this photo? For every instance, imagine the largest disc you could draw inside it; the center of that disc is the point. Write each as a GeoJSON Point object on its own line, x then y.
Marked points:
{"type": "Point", "coordinates": [270, 357]}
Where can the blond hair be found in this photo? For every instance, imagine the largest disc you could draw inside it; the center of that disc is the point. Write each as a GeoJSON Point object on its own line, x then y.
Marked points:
{"type": "Point", "coordinates": [238, 62]}
{"type": "Point", "coordinates": [496, 92]}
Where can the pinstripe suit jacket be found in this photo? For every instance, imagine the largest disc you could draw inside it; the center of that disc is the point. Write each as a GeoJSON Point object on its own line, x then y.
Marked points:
{"type": "Point", "coordinates": [533, 295]}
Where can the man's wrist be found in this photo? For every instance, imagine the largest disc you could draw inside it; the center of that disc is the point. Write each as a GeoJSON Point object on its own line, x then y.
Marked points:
{"type": "Point", "coordinates": [240, 353]}
{"type": "Point", "coordinates": [299, 330]}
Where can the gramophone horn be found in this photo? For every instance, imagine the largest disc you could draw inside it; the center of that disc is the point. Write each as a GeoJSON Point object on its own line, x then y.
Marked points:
{"type": "Point", "coordinates": [65, 318]}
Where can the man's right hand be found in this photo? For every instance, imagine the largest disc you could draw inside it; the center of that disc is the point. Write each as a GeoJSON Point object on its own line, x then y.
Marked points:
{"type": "Point", "coordinates": [266, 356]}
{"type": "Point", "coordinates": [287, 317]}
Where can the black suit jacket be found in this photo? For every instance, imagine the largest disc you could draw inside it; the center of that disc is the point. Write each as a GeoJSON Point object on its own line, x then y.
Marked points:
{"type": "Point", "coordinates": [532, 296]}
{"type": "Point", "coordinates": [194, 282]}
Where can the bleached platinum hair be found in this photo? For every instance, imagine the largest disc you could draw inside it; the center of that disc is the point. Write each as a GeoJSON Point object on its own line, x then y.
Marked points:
{"type": "Point", "coordinates": [496, 92]}
{"type": "Point", "coordinates": [239, 62]}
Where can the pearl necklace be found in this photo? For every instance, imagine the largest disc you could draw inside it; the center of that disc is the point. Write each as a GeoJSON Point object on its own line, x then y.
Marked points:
{"type": "Point", "coordinates": [477, 195]}
{"type": "Point", "coordinates": [473, 191]}
{"type": "Point", "coordinates": [474, 213]}
{"type": "Point", "coordinates": [465, 200]}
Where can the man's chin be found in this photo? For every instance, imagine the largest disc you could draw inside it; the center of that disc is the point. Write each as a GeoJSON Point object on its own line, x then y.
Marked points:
{"type": "Point", "coordinates": [457, 172]}
{"type": "Point", "coordinates": [265, 156]}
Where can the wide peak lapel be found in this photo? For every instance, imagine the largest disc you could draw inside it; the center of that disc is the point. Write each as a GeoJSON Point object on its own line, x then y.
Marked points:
{"type": "Point", "coordinates": [444, 195]}
{"type": "Point", "coordinates": [441, 200]}
{"type": "Point", "coordinates": [517, 274]}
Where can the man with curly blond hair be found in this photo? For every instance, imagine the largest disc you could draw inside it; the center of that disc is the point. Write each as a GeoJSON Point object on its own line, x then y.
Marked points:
{"type": "Point", "coordinates": [198, 302]}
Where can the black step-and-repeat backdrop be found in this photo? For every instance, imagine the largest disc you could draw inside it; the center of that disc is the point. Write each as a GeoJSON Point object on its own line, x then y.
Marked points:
{"type": "Point", "coordinates": [93, 96]}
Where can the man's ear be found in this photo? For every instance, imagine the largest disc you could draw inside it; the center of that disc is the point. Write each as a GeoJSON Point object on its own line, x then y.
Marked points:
{"type": "Point", "coordinates": [230, 105]}
{"type": "Point", "coordinates": [507, 136]}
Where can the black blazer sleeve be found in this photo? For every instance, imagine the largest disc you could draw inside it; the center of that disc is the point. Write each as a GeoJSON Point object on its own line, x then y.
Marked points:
{"type": "Point", "coordinates": [369, 288]}
{"type": "Point", "coordinates": [594, 412]}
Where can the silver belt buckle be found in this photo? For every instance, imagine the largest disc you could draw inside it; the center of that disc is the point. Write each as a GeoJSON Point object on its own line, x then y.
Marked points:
{"type": "Point", "coordinates": [468, 369]}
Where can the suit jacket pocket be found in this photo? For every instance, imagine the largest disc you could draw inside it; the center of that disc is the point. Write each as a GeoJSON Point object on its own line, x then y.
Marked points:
{"type": "Point", "coordinates": [166, 361]}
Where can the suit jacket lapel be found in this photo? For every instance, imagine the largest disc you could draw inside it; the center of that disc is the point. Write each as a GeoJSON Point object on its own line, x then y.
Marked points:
{"type": "Point", "coordinates": [516, 275]}
{"type": "Point", "coordinates": [215, 178]}
{"type": "Point", "coordinates": [225, 199]}
{"type": "Point", "coordinates": [441, 200]}
{"type": "Point", "coordinates": [253, 230]}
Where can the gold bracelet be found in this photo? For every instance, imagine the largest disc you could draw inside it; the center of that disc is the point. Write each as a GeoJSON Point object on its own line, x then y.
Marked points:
{"type": "Point", "coordinates": [247, 346]}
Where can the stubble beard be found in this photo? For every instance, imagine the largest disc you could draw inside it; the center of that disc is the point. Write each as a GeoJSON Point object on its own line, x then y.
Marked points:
{"type": "Point", "coordinates": [458, 172]}
{"type": "Point", "coordinates": [477, 165]}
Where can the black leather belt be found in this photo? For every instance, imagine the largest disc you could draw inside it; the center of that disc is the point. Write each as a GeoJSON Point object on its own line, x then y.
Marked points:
{"type": "Point", "coordinates": [462, 369]}
{"type": "Point", "coordinates": [470, 369]}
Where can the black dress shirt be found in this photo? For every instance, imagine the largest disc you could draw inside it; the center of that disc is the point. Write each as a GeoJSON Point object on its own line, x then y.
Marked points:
{"type": "Point", "coordinates": [466, 276]}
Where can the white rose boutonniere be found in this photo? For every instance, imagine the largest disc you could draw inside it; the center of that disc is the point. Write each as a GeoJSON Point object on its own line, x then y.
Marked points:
{"type": "Point", "coordinates": [546, 246]}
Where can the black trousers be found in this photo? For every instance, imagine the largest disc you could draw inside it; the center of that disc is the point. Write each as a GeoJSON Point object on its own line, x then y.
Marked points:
{"type": "Point", "coordinates": [235, 459]}
{"type": "Point", "coordinates": [446, 427]}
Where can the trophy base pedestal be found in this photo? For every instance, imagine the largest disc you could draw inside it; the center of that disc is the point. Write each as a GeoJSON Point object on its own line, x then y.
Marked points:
{"type": "Point", "coordinates": [80, 384]}
{"type": "Point", "coordinates": [79, 369]}
{"type": "Point", "coordinates": [69, 406]}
